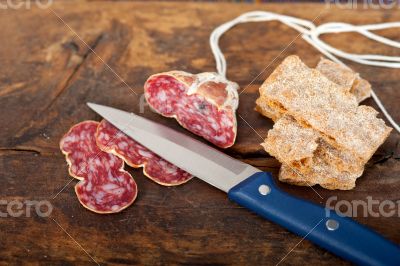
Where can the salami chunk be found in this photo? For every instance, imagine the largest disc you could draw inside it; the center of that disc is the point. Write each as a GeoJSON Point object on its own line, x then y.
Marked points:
{"type": "Point", "coordinates": [112, 140]}
{"type": "Point", "coordinates": [205, 103]}
{"type": "Point", "coordinates": [104, 186]}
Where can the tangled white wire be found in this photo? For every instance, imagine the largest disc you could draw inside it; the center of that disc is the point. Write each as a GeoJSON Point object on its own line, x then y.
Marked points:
{"type": "Point", "coordinates": [311, 34]}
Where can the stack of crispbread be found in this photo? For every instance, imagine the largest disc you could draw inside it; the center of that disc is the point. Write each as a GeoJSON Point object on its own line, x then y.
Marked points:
{"type": "Point", "coordinates": [321, 135]}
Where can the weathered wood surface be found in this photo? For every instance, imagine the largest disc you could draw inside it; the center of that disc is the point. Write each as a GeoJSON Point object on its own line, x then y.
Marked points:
{"type": "Point", "coordinates": [48, 74]}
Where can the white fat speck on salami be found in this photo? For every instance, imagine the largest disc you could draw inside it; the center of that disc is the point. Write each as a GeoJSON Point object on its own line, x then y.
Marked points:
{"type": "Point", "coordinates": [204, 103]}
{"type": "Point", "coordinates": [112, 140]}
{"type": "Point", "coordinates": [104, 186]}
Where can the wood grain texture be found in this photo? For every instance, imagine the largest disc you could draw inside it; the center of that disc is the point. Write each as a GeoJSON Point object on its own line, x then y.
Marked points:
{"type": "Point", "coordinates": [48, 73]}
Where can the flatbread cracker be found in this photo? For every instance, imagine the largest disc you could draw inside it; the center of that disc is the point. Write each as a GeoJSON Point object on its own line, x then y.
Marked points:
{"type": "Point", "coordinates": [346, 78]}
{"type": "Point", "coordinates": [321, 135]}
{"type": "Point", "coordinates": [267, 109]}
{"type": "Point", "coordinates": [287, 175]}
{"type": "Point", "coordinates": [315, 101]}
{"type": "Point", "coordinates": [309, 157]}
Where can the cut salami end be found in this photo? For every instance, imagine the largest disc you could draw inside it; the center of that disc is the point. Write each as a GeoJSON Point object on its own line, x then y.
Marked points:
{"type": "Point", "coordinates": [205, 103]}
{"type": "Point", "coordinates": [104, 187]}
{"type": "Point", "coordinates": [112, 140]}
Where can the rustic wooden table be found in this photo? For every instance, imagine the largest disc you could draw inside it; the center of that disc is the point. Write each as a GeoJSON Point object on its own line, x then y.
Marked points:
{"type": "Point", "coordinates": [47, 75]}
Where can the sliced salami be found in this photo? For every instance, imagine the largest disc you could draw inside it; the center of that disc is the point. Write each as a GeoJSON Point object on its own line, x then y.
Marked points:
{"type": "Point", "coordinates": [205, 103]}
{"type": "Point", "coordinates": [104, 186]}
{"type": "Point", "coordinates": [112, 140]}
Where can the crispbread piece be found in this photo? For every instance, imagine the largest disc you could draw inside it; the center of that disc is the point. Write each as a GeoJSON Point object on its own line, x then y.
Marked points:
{"type": "Point", "coordinates": [321, 135]}
{"type": "Point", "coordinates": [310, 159]}
{"type": "Point", "coordinates": [343, 182]}
{"type": "Point", "coordinates": [345, 77]}
{"type": "Point", "coordinates": [323, 171]}
{"type": "Point", "coordinates": [337, 73]}
{"type": "Point", "coordinates": [263, 107]}
{"type": "Point", "coordinates": [291, 143]}
{"type": "Point", "coordinates": [361, 89]}
{"type": "Point", "coordinates": [341, 75]}
{"type": "Point", "coordinates": [297, 146]}
{"type": "Point", "coordinates": [287, 175]}
{"type": "Point", "coordinates": [286, 75]}
{"type": "Point", "coordinates": [315, 101]}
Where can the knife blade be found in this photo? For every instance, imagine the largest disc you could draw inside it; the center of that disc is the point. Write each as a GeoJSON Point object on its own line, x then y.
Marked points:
{"type": "Point", "coordinates": [188, 154]}
{"type": "Point", "coordinates": [257, 191]}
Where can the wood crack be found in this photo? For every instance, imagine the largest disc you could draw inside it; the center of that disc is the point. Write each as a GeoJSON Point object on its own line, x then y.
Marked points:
{"type": "Point", "coordinates": [89, 51]}
{"type": "Point", "coordinates": [19, 150]}
{"type": "Point", "coordinates": [63, 86]}
{"type": "Point", "coordinates": [27, 150]}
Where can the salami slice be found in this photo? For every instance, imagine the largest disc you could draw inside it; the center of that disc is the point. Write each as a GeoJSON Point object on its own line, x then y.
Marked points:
{"type": "Point", "coordinates": [112, 140]}
{"type": "Point", "coordinates": [104, 186]}
{"type": "Point", "coordinates": [205, 103]}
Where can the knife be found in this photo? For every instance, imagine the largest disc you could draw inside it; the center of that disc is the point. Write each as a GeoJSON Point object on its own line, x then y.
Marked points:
{"type": "Point", "coordinates": [257, 191]}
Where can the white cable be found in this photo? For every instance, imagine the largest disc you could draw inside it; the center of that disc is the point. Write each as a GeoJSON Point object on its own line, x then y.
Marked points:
{"type": "Point", "coordinates": [311, 34]}
{"type": "Point", "coordinates": [301, 25]}
{"type": "Point", "coordinates": [374, 60]}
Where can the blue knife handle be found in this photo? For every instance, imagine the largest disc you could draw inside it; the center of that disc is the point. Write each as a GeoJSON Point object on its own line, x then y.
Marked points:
{"type": "Point", "coordinates": [340, 235]}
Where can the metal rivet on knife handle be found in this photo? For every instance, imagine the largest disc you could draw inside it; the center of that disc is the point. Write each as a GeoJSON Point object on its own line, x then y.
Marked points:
{"type": "Point", "coordinates": [332, 225]}
{"type": "Point", "coordinates": [264, 190]}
